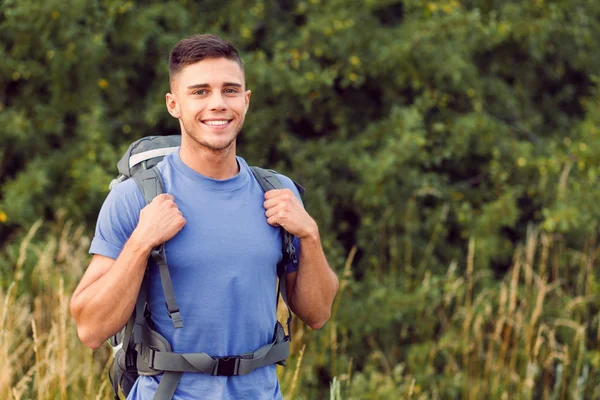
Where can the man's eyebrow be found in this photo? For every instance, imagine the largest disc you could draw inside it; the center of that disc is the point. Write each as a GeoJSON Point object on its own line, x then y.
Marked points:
{"type": "Point", "coordinates": [206, 85]}
{"type": "Point", "coordinates": [199, 86]}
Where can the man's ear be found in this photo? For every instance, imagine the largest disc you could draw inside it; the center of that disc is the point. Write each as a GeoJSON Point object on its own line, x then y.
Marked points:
{"type": "Point", "coordinates": [172, 105]}
{"type": "Point", "coordinates": [247, 99]}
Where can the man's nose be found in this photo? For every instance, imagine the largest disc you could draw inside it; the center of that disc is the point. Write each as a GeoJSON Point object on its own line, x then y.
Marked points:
{"type": "Point", "coordinates": [217, 102]}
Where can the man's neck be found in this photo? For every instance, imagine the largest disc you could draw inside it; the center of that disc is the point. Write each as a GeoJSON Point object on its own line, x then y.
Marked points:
{"type": "Point", "coordinates": [216, 165]}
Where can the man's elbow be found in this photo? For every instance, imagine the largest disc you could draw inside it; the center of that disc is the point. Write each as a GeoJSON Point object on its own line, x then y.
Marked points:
{"type": "Point", "coordinates": [89, 339]}
{"type": "Point", "coordinates": [320, 321]}
{"type": "Point", "coordinates": [86, 334]}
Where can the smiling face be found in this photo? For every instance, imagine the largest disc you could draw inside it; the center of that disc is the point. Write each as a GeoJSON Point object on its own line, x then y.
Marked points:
{"type": "Point", "coordinates": [210, 101]}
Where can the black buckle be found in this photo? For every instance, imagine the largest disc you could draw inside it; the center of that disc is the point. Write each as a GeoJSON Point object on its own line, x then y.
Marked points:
{"type": "Point", "coordinates": [148, 355]}
{"type": "Point", "coordinates": [175, 316]}
{"type": "Point", "coordinates": [131, 361]}
{"type": "Point", "coordinates": [227, 366]}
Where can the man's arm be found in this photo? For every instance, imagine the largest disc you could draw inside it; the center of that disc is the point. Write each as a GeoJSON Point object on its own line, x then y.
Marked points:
{"type": "Point", "coordinates": [107, 293]}
{"type": "Point", "coordinates": [312, 289]}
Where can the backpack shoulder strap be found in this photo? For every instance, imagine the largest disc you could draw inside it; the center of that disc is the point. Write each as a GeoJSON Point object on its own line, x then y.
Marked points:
{"type": "Point", "coordinates": [267, 178]}
{"type": "Point", "coordinates": [151, 185]}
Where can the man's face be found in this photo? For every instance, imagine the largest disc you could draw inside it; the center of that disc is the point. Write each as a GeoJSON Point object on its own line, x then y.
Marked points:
{"type": "Point", "coordinates": [209, 100]}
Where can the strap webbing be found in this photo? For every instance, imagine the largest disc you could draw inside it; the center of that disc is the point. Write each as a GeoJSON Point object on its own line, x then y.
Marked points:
{"type": "Point", "coordinates": [140, 308]}
{"type": "Point", "coordinates": [129, 330]}
{"type": "Point", "coordinates": [175, 364]}
{"type": "Point", "coordinates": [151, 185]}
{"type": "Point", "coordinates": [268, 180]}
{"type": "Point", "coordinates": [165, 278]}
{"type": "Point", "coordinates": [168, 385]}
{"type": "Point", "coordinates": [268, 354]}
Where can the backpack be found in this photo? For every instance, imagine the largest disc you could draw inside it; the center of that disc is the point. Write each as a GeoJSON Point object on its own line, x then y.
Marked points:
{"type": "Point", "coordinates": [138, 349]}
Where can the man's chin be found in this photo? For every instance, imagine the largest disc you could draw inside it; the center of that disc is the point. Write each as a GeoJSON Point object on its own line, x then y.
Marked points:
{"type": "Point", "coordinates": [218, 147]}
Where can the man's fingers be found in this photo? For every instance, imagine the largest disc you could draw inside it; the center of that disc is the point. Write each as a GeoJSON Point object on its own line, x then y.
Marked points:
{"type": "Point", "coordinates": [278, 192]}
{"type": "Point", "coordinates": [285, 196]}
{"type": "Point", "coordinates": [274, 220]}
{"type": "Point", "coordinates": [271, 211]}
{"type": "Point", "coordinates": [272, 193]}
{"type": "Point", "coordinates": [166, 200]}
{"type": "Point", "coordinates": [270, 203]}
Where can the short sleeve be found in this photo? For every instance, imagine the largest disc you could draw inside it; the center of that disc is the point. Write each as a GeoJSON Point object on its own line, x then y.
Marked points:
{"type": "Point", "coordinates": [117, 219]}
{"type": "Point", "coordinates": [289, 184]}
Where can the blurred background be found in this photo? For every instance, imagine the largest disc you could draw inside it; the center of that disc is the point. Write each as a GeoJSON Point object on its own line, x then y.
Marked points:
{"type": "Point", "coordinates": [450, 152]}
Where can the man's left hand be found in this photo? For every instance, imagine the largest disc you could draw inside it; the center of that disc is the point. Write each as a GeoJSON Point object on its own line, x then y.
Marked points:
{"type": "Point", "coordinates": [285, 210]}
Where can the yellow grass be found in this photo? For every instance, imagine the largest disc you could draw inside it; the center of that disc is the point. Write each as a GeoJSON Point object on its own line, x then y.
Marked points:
{"type": "Point", "coordinates": [504, 337]}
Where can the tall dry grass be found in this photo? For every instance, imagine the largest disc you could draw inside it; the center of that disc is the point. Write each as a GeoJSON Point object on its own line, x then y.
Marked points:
{"type": "Point", "coordinates": [535, 334]}
{"type": "Point", "coordinates": [504, 341]}
{"type": "Point", "coordinates": [40, 354]}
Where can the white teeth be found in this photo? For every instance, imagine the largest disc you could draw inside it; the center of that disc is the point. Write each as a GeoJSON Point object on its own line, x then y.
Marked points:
{"type": "Point", "coordinates": [216, 123]}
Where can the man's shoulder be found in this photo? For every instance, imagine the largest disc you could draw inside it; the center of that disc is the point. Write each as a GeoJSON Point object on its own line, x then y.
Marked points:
{"type": "Point", "coordinates": [127, 188]}
{"type": "Point", "coordinates": [126, 192]}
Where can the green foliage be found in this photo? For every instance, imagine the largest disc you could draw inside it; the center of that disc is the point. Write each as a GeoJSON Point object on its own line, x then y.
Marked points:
{"type": "Point", "coordinates": [415, 126]}
{"type": "Point", "coordinates": [480, 107]}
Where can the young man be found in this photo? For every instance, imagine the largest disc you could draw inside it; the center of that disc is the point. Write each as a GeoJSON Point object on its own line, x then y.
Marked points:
{"type": "Point", "coordinates": [222, 236]}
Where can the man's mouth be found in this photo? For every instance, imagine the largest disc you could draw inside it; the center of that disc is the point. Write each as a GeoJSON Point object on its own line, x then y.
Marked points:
{"type": "Point", "coordinates": [216, 122]}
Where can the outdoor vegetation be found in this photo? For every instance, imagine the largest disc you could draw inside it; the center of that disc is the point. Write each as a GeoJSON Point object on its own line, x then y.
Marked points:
{"type": "Point", "coordinates": [450, 152]}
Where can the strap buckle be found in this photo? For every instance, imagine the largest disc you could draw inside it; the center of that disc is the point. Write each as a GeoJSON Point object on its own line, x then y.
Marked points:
{"type": "Point", "coordinates": [227, 366]}
{"type": "Point", "coordinates": [131, 361]}
{"type": "Point", "coordinates": [175, 315]}
{"type": "Point", "coordinates": [290, 251]}
{"type": "Point", "coordinates": [148, 355]}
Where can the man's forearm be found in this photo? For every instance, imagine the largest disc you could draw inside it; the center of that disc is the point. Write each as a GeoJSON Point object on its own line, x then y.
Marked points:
{"type": "Point", "coordinates": [315, 284]}
{"type": "Point", "coordinates": [103, 307]}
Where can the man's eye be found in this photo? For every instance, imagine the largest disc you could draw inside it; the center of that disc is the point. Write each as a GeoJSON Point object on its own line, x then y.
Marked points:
{"type": "Point", "coordinates": [200, 92]}
{"type": "Point", "coordinates": [230, 90]}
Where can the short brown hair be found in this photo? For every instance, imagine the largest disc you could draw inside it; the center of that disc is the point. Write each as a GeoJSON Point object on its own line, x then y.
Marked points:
{"type": "Point", "coordinates": [197, 48]}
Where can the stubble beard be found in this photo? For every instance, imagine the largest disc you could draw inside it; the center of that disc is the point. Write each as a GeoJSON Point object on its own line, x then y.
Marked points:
{"type": "Point", "coordinates": [205, 145]}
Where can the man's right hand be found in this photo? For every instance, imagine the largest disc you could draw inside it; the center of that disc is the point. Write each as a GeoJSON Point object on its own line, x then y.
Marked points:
{"type": "Point", "coordinates": [159, 221]}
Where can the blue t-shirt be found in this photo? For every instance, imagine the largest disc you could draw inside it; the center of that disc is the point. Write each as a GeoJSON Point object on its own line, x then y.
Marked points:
{"type": "Point", "coordinates": [223, 266]}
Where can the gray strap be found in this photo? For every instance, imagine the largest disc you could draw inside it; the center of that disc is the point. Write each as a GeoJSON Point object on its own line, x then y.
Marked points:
{"type": "Point", "coordinates": [140, 308]}
{"type": "Point", "coordinates": [168, 384]}
{"type": "Point", "coordinates": [268, 180]}
{"type": "Point", "coordinates": [167, 284]}
{"type": "Point", "coordinates": [151, 185]}
{"type": "Point", "coordinates": [274, 352]}
{"type": "Point", "coordinates": [266, 355]}
{"type": "Point", "coordinates": [169, 361]}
